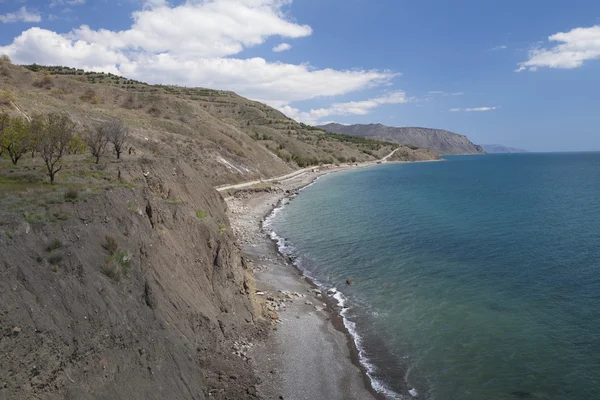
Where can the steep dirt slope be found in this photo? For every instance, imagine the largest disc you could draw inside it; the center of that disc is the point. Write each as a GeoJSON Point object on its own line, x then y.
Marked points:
{"type": "Point", "coordinates": [166, 329]}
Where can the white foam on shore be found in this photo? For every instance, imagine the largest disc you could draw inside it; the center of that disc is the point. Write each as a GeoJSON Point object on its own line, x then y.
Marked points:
{"type": "Point", "coordinates": [287, 249]}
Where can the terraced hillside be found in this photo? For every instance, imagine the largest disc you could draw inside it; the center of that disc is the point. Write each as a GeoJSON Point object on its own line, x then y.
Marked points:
{"type": "Point", "coordinates": [224, 136]}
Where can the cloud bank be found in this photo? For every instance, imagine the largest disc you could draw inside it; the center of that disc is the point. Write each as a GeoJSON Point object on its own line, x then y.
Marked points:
{"type": "Point", "coordinates": [573, 48]}
{"type": "Point", "coordinates": [23, 15]}
{"type": "Point", "coordinates": [195, 44]}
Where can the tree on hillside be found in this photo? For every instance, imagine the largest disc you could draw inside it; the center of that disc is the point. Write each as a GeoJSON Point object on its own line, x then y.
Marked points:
{"type": "Point", "coordinates": [4, 122]}
{"type": "Point", "coordinates": [96, 139]}
{"type": "Point", "coordinates": [76, 145]}
{"type": "Point", "coordinates": [117, 133]}
{"type": "Point", "coordinates": [34, 129]}
{"type": "Point", "coordinates": [57, 130]}
{"type": "Point", "coordinates": [15, 138]}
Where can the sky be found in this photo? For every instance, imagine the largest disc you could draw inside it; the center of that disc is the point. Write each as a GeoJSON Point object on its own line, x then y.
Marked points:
{"type": "Point", "coordinates": [520, 73]}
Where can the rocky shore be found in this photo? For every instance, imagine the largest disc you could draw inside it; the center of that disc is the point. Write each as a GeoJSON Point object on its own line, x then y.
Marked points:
{"type": "Point", "coordinates": [308, 354]}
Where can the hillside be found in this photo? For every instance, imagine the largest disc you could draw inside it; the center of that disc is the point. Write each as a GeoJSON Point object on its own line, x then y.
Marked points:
{"type": "Point", "coordinates": [224, 136]}
{"type": "Point", "coordinates": [440, 141]}
{"type": "Point", "coordinates": [123, 279]}
{"type": "Point", "coordinates": [498, 148]}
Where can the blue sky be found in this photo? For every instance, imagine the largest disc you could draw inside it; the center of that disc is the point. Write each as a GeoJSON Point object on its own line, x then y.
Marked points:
{"type": "Point", "coordinates": [442, 64]}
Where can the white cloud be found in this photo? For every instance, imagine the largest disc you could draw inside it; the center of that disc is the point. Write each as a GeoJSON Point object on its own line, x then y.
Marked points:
{"type": "Point", "coordinates": [573, 49]}
{"type": "Point", "coordinates": [501, 47]}
{"type": "Point", "coordinates": [22, 15]}
{"type": "Point", "coordinates": [194, 44]}
{"type": "Point", "coordinates": [46, 47]}
{"type": "Point", "coordinates": [282, 47]}
{"type": "Point", "coordinates": [350, 108]}
{"type": "Point", "coordinates": [476, 109]}
{"type": "Point", "coordinates": [54, 3]}
{"type": "Point", "coordinates": [440, 92]}
{"type": "Point", "coordinates": [215, 28]}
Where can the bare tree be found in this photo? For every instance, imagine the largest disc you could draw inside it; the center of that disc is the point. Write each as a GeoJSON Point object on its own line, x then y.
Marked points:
{"type": "Point", "coordinates": [96, 138]}
{"type": "Point", "coordinates": [117, 133]}
{"type": "Point", "coordinates": [57, 130]}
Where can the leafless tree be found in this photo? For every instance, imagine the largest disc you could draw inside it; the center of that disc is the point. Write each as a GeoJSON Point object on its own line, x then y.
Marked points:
{"type": "Point", "coordinates": [96, 138]}
{"type": "Point", "coordinates": [57, 130]}
{"type": "Point", "coordinates": [118, 134]}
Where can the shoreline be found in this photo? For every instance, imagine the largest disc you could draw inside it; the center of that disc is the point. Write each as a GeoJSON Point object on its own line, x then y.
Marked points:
{"type": "Point", "coordinates": [323, 329]}
{"type": "Point", "coordinates": [333, 307]}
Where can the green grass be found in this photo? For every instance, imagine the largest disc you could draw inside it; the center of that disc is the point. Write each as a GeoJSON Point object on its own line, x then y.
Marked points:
{"type": "Point", "coordinates": [131, 207]}
{"type": "Point", "coordinates": [8, 234]}
{"type": "Point", "coordinates": [71, 195]}
{"type": "Point", "coordinates": [117, 265]}
{"type": "Point", "coordinates": [202, 215]}
{"type": "Point", "coordinates": [33, 218]}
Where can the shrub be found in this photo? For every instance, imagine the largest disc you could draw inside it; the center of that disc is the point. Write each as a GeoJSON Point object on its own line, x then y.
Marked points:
{"type": "Point", "coordinates": [71, 195]}
{"type": "Point", "coordinates": [44, 82]}
{"type": "Point", "coordinates": [54, 244]}
{"type": "Point", "coordinates": [55, 259]}
{"type": "Point", "coordinates": [117, 265]}
{"type": "Point", "coordinates": [110, 244]}
{"type": "Point", "coordinates": [90, 97]}
{"type": "Point", "coordinates": [7, 97]}
{"type": "Point", "coordinates": [201, 214]}
{"type": "Point", "coordinates": [131, 206]}
{"type": "Point", "coordinates": [32, 218]}
{"type": "Point", "coordinates": [8, 234]}
{"type": "Point", "coordinates": [5, 59]}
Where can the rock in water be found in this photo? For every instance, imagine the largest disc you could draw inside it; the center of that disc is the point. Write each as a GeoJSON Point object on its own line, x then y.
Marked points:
{"type": "Point", "coordinates": [413, 392]}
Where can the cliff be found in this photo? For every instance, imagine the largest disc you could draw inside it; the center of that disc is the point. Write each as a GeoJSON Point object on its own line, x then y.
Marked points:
{"type": "Point", "coordinates": [440, 141]}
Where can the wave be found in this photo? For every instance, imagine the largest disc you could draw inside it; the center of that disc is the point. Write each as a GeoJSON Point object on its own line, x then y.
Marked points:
{"type": "Point", "coordinates": [289, 251]}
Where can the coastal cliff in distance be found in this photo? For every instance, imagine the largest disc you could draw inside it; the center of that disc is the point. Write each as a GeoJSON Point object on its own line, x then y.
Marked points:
{"type": "Point", "coordinates": [498, 148]}
{"type": "Point", "coordinates": [441, 141]}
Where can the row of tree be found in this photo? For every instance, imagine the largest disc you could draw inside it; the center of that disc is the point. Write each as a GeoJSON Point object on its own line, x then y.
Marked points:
{"type": "Point", "coordinates": [55, 135]}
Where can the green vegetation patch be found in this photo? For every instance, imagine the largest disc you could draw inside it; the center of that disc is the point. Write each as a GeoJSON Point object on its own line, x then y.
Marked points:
{"type": "Point", "coordinates": [202, 215]}
{"type": "Point", "coordinates": [118, 263]}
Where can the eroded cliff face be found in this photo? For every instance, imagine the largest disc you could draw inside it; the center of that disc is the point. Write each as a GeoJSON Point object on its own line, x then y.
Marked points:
{"type": "Point", "coordinates": [131, 293]}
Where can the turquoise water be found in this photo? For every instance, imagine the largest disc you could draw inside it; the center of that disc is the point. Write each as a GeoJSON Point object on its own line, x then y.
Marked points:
{"type": "Point", "coordinates": [474, 278]}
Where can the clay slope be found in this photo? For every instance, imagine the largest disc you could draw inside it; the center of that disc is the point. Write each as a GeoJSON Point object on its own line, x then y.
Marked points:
{"type": "Point", "coordinates": [72, 326]}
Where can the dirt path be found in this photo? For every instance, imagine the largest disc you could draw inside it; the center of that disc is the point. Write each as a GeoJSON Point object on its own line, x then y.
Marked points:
{"type": "Point", "coordinates": [292, 175]}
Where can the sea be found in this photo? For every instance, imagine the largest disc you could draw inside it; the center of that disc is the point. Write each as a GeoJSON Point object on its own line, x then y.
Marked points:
{"type": "Point", "coordinates": [477, 277]}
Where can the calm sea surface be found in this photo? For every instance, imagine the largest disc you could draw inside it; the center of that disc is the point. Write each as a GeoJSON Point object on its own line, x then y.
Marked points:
{"type": "Point", "coordinates": [474, 278]}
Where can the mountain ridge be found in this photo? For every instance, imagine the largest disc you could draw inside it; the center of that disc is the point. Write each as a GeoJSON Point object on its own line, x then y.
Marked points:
{"type": "Point", "coordinates": [499, 148]}
{"type": "Point", "coordinates": [438, 140]}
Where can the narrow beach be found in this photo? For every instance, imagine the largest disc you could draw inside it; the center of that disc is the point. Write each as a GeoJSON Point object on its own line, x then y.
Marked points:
{"type": "Point", "coordinates": [309, 354]}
